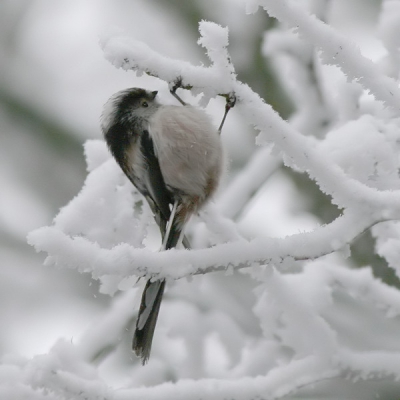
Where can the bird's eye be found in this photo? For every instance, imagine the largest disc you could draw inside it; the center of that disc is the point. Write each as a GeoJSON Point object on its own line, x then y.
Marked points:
{"type": "Point", "coordinates": [145, 104]}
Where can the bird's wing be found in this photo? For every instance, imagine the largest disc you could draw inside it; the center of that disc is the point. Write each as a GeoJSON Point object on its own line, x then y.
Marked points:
{"type": "Point", "coordinates": [158, 195]}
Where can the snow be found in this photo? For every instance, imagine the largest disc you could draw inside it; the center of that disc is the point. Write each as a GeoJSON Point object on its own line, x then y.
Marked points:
{"type": "Point", "coordinates": [367, 150]}
{"type": "Point", "coordinates": [287, 312]}
{"type": "Point", "coordinates": [336, 49]}
{"type": "Point", "coordinates": [388, 31]}
{"type": "Point", "coordinates": [127, 53]}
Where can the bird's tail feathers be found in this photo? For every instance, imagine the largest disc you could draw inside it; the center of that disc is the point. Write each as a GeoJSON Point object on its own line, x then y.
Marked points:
{"type": "Point", "coordinates": [147, 319]}
{"type": "Point", "coordinates": [153, 291]}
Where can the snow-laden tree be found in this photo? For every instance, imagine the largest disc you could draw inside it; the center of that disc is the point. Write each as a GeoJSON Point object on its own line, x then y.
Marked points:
{"type": "Point", "coordinates": [245, 317]}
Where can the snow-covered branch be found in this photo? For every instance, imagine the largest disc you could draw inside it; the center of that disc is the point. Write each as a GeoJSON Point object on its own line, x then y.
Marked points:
{"type": "Point", "coordinates": [127, 53]}
{"type": "Point", "coordinates": [123, 260]}
{"type": "Point", "coordinates": [65, 373]}
{"type": "Point", "coordinates": [335, 49]}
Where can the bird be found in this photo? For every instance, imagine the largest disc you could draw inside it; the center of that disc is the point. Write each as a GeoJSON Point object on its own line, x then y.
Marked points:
{"type": "Point", "coordinates": [173, 155]}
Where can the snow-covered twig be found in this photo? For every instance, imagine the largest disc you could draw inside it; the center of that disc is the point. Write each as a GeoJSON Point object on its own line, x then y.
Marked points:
{"type": "Point", "coordinates": [122, 261]}
{"type": "Point", "coordinates": [335, 49]}
{"type": "Point", "coordinates": [299, 69]}
{"type": "Point", "coordinates": [278, 383]}
{"type": "Point", "coordinates": [127, 53]}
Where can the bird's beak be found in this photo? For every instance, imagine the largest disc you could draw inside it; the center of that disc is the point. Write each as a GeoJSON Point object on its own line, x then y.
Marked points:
{"type": "Point", "coordinates": [154, 94]}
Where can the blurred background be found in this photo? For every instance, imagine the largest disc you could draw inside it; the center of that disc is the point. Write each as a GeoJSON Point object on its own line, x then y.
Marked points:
{"type": "Point", "coordinates": [53, 84]}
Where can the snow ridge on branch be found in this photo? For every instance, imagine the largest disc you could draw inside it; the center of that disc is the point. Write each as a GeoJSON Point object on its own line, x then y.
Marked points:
{"type": "Point", "coordinates": [335, 49]}
{"type": "Point", "coordinates": [129, 54]}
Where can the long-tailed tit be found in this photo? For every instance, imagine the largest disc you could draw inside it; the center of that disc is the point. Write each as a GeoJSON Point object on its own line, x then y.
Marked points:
{"type": "Point", "coordinates": [173, 155]}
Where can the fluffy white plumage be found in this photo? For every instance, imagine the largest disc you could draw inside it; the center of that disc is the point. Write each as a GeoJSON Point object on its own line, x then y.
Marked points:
{"type": "Point", "coordinates": [188, 148]}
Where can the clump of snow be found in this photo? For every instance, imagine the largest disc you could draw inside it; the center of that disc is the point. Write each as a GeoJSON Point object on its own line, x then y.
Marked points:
{"type": "Point", "coordinates": [96, 153]}
{"type": "Point", "coordinates": [367, 150]}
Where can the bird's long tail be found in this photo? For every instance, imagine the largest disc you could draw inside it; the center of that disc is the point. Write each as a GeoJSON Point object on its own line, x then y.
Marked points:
{"type": "Point", "coordinates": [152, 296]}
{"type": "Point", "coordinates": [147, 319]}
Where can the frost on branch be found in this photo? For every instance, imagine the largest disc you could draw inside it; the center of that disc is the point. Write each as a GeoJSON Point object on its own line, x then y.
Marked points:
{"type": "Point", "coordinates": [279, 317]}
{"type": "Point", "coordinates": [130, 54]}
